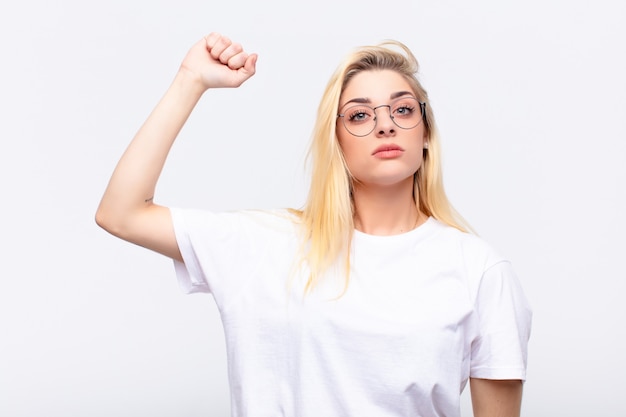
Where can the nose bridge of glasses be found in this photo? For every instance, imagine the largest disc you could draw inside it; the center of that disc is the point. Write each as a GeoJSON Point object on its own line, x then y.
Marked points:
{"type": "Point", "coordinates": [378, 107]}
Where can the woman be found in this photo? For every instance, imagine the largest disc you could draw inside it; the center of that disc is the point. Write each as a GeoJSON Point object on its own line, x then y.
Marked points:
{"type": "Point", "coordinates": [371, 301]}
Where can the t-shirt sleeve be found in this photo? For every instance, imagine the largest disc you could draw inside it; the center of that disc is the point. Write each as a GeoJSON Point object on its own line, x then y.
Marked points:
{"type": "Point", "coordinates": [213, 247]}
{"type": "Point", "coordinates": [501, 349]}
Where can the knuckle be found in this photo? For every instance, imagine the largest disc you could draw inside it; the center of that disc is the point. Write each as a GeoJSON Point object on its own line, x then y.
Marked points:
{"type": "Point", "coordinates": [211, 38]}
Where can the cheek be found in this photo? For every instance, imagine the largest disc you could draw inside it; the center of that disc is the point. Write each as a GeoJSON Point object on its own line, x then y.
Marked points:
{"type": "Point", "coordinates": [345, 144]}
{"type": "Point", "coordinates": [351, 153]}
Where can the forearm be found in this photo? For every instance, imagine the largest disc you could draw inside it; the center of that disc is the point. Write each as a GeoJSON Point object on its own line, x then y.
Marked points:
{"type": "Point", "coordinates": [132, 184]}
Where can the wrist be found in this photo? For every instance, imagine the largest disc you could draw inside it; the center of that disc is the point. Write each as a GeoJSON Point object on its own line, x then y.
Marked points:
{"type": "Point", "coordinates": [189, 82]}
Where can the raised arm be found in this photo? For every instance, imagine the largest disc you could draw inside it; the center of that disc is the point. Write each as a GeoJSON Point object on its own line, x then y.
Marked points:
{"type": "Point", "coordinates": [127, 208]}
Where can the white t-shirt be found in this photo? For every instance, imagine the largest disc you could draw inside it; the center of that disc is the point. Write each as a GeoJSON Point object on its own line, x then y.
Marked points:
{"type": "Point", "coordinates": [423, 312]}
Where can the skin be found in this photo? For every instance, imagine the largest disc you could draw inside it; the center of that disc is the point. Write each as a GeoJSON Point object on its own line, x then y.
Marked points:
{"type": "Point", "coordinates": [382, 193]}
{"type": "Point", "coordinates": [492, 398]}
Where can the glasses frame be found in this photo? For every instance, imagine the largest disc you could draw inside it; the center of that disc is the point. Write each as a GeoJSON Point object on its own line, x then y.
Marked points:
{"type": "Point", "coordinates": [422, 105]}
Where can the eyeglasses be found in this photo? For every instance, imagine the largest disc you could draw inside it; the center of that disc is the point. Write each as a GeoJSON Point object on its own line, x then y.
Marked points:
{"type": "Point", "coordinates": [405, 112]}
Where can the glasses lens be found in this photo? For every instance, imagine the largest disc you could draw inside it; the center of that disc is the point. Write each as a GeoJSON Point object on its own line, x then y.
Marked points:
{"type": "Point", "coordinates": [406, 112]}
{"type": "Point", "coordinates": [360, 120]}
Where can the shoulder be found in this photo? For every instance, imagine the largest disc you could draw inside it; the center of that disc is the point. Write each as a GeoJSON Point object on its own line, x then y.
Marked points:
{"type": "Point", "coordinates": [274, 218]}
{"type": "Point", "coordinates": [472, 248]}
{"type": "Point", "coordinates": [268, 220]}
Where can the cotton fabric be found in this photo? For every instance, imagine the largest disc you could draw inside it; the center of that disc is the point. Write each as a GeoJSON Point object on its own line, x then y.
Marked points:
{"type": "Point", "coordinates": [423, 312]}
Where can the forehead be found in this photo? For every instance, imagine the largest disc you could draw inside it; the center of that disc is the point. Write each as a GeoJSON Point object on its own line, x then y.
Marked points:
{"type": "Point", "coordinates": [376, 85]}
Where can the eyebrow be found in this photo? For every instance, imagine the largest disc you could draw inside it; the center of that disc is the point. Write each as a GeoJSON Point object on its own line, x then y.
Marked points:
{"type": "Point", "coordinates": [365, 100]}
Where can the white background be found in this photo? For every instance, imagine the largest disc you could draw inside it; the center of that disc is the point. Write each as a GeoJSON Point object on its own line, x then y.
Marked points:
{"type": "Point", "coordinates": [530, 99]}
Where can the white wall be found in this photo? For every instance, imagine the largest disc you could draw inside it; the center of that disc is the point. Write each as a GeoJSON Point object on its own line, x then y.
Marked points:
{"type": "Point", "coordinates": [531, 103]}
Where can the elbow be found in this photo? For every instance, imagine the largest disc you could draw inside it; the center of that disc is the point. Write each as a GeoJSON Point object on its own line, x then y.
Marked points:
{"type": "Point", "coordinates": [108, 222]}
{"type": "Point", "coordinates": [101, 219]}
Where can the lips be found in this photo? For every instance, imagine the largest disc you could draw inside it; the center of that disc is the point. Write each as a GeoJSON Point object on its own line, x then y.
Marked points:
{"type": "Point", "coordinates": [390, 149]}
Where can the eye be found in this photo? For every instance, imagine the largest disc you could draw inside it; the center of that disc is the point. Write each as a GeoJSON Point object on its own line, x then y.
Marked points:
{"type": "Point", "coordinates": [404, 110]}
{"type": "Point", "coordinates": [359, 114]}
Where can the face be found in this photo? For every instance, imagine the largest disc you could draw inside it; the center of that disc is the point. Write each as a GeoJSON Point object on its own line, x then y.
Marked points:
{"type": "Point", "coordinates": [388, 155]}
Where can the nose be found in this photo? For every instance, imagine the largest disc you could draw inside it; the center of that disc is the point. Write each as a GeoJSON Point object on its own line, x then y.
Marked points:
{"type": "Point", "coordinates": [385, 126]}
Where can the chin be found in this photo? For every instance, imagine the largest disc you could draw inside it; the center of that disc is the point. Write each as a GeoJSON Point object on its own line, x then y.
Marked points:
{"type": "Point", "coordinates": [387, 181]}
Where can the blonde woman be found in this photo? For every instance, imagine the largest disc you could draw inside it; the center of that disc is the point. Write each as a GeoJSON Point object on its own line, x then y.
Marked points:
{"type": "Point", "coordinates": [374, 299]}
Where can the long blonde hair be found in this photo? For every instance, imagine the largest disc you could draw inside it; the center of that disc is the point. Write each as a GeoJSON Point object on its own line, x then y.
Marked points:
{"type": "Point", "coordinates": [327, 217]}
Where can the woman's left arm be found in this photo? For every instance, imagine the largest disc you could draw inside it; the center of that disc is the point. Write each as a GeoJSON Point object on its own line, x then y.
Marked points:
{"type": "Point", "coordinates": [496, 398]}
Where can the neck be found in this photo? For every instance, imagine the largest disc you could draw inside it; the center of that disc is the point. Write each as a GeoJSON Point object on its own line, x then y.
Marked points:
{"type": "Point", "coordinates": [386, 210]}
